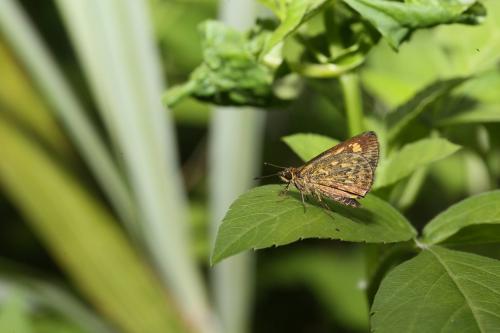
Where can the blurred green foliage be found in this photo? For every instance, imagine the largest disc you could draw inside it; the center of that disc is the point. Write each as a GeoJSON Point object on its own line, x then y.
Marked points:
{"type": "Point", "coordinates": [434, 105]}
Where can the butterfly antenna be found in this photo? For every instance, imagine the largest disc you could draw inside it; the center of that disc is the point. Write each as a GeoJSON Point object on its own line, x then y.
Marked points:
{"type": "Point", "coordinates": [266, 176]}
{"type": "Point", "coordinates": [274, 165]}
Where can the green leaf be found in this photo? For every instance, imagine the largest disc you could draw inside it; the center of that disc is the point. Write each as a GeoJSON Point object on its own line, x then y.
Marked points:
{"type": "Point", "coordinates": [230, 73]}
{"type": "Point", "coordinates": [440, 53]}
{"type": "Point", "coordinates": [409, 111]}
{"type": "Point", "coordinates": [412, 157]}
{"type": "Point", "coordinates": [440, 290]}
{"type": "Point", "coordinates": [475, 101]}
{"type": "Point", "coordinates": [291, 14]}
{"type": "Point", "coordinates": [46, 295]}
{"type": "Point", "coordinates": [21, 101]}
{"type": "Point", "coordinates": [262, 218]}
{"type": "Point", "coordinates": [335, 277]}
{"type": "Point", "coordinates": [483, 114]}
{"type": "Point", "coordinates": [17, 29]}
{"type": "Point", "coordinates": [83, 237]}
{"type": "Point", "coordinates": [14, 316]}
{"type": "Point", "coordinates": [308, 145]}
{"type": "Point", "coordinates": [396, 20]}
{"type": "Point", "coordinates": [478, 216]}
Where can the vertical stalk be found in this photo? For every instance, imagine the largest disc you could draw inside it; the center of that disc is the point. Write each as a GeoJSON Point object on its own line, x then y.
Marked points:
{"type": "Point", "coordinates": [234, 158]}
{"type": "Point", "coordinates": [353, 102]}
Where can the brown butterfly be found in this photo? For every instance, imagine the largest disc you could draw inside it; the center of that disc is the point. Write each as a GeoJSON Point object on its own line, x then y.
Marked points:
{"type": "Point", "coordinates": [342, 173]}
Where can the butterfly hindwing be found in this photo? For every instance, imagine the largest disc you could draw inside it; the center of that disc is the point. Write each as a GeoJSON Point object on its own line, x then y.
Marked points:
{"type": "Point", "coordinates": [344, 172]}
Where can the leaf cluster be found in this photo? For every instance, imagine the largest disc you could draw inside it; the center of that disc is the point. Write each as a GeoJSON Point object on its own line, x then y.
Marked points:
{"type": "Point", "coordinates": [313, 38]}
{"type": "Point", "coordinates": [443, 278]}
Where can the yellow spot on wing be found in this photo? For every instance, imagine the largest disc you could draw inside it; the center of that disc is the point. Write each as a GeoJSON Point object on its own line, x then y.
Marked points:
{"type": "Point", "coordinates": [356, 148]}
{"type": "Point", "coordinates": [338, 151]}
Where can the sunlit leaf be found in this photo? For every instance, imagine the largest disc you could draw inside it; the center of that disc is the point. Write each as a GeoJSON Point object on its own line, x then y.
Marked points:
{"type": "Point", "coordinates": [440, 290]}
{"type": "Point", "coordinates": [230, 73]}
{"type": "Point", "coordinates": [291, 14]}
{"type": "Point", "coordinates": [473, 220]}
{"type": "Point", "coordinates": [308, 145]}
{"type": "Point", "coordinates": [262, 218]}
{"type": "Point", "coordinates": [412, 157]}
{"type": "Point", "coordinates": [396, 20]}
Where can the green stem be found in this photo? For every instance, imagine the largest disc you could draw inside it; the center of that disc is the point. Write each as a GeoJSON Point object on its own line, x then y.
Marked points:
{"type": "Point", "coordinates": [353, 102]}
{"type": "Point", "coordinates": [236, 141]}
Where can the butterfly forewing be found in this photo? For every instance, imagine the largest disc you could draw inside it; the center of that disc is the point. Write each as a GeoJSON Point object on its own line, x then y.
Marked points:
{"type": "Point", "coordinates": [348, 172]}
{"type": "Point", "coordinates": [365, 144]}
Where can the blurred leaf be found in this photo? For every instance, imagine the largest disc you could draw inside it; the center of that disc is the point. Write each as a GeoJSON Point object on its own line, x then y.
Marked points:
{"type": "Point", "coordinates": [118, 53]}
{"type": "Point", "coordinates": [262, 218]}
{"type": "Point", "coordinates": [475, 235]}
{"type": "Point", "coordinates": [83, 237]}
{"type": "Point", "coordinates": [445, 52]}
{"type": "Point", "coordinates": [412, 109]}
{"type": "Point", "coordinates": [440, 290]}
{"type": "Point", "coordinates": [14, 317]}
{"type": "Point", "coordinates": [381, 258]}
{"type": "Point", "coordinates": [191, 112]}
{"type": "Point", "coordinates": [44, 294]}
{"type": "Point", "coordinates": [483, 115]}
{"type": "Point", "coordinates": [482, 210]}
{"type": "Point", "coordinates": [175, 24]}
{"type": "Point", "coordinates": [339, 46]}
{"type": "Point", "coordinates": [336, 278]}
{"type": "Point", "coordinates": [475, 101]}
{"type": "Point", "coordinates": [406, 192]}
{"type": "Point", "coordinates": [412, 157]}
{"type": "Point", "coordinates": [49, 324]}
{"type": "Point", "coordinates": [387, 75]}
{"type": "Point", "coordinates": [396, 20]}
{"type": "Point", "coordinates": [26, 43]}
{"type": "Point", "coordinates": [308, 145]}
{"type": "Point", "coordinates": [475, 49]}
{"type": "Point", "coordinates": [230, 73]}
{"type": "Point", "coordinates": [450, 174]}
{"type": "Point", "coordinates": [291, 14]}
{"type": "Point", "coordinates": [20, 101]}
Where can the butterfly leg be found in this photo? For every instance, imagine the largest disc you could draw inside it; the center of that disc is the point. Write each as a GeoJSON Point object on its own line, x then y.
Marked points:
{"type": "Point", "coordinates": [303, 200]}
{"type": "Point", "coordinates": [327, 208]}
{"type": "Point", "coordinates": [285, 190]}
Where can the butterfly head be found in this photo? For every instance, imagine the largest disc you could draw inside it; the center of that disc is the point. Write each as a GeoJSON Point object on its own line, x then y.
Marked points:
{"type": "Point", "coordinates": [287, 175]}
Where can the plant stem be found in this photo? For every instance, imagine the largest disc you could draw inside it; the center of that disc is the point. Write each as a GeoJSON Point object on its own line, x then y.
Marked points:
{"type": "Point", "coordinates": [353, 102]}
{"type": "Point", "coordinates": [236, 135]}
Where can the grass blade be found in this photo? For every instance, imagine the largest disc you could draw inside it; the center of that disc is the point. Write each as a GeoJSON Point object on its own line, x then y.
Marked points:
{"type": "Point", "coordinates": [23, 38]}
{"type": "Point", "coordinates": [114, 43]}
{"type": "Point", "coordinates": [83, 237]}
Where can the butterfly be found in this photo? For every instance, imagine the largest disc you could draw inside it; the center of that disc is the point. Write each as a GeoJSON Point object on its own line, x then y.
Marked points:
{"type": "Point", "coordinates": [342, 173]}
